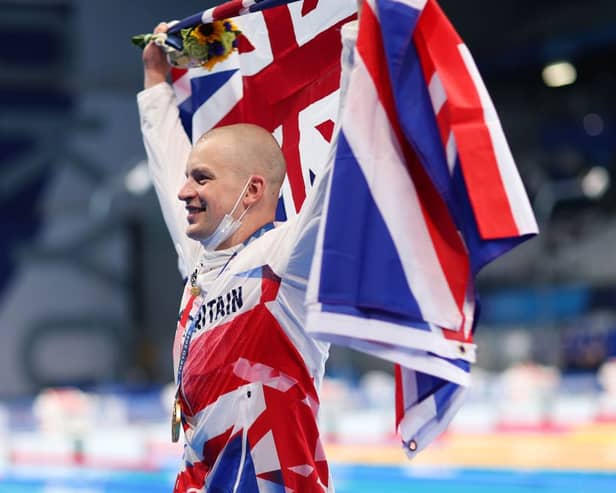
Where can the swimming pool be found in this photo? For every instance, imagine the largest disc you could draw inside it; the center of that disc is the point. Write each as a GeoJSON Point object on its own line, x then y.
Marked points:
{"type": "Point", "coordinates": [348, 478]}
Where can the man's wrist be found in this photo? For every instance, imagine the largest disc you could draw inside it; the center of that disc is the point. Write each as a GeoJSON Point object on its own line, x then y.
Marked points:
{"type": "Point", "coordinates": [151, 79]}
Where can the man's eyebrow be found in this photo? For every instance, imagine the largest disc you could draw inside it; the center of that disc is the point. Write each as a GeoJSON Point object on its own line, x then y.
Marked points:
{"type": "Point", "coordinates": [203, 169]}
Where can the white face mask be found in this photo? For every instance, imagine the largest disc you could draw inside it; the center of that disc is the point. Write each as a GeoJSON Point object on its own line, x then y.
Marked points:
{"type": "Point", "coordinates": [227, 225]}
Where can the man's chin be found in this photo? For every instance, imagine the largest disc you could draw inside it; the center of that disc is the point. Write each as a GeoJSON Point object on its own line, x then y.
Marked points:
{"type": "Point", "coordinates": [195, 234]}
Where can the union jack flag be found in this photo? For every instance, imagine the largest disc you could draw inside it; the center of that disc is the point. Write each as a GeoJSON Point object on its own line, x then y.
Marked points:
{"type": "Point", "coordinates": [286, 78]}
{"type": "Point", "coordinates": [424, 192]}
{"type": "Point", "coordinates": [235, 8]}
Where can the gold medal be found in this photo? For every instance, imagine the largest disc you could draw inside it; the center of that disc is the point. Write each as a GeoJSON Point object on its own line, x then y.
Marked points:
{"type": "Point", "coordinates": [195, 290]}
{"type": "Point", "coordinates": [176, 420]}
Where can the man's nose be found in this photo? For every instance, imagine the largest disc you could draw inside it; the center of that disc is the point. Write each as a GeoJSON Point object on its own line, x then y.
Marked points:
{"type": "Point", "coordinates": [187, 191]}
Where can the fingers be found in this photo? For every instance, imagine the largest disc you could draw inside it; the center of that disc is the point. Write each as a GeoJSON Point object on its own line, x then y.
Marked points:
{"type": "Point", "coordinates": [155, 64]}
{"type": "Point", "coordinates": [161, 28]}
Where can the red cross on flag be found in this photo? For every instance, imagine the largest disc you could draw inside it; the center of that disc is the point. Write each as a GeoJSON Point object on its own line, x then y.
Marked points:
{"type": "Point", "coordinates": [285, 78]}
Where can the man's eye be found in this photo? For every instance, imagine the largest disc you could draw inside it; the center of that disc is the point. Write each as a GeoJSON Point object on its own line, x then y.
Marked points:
{"type": "Point", "coordinates": [201, 179]}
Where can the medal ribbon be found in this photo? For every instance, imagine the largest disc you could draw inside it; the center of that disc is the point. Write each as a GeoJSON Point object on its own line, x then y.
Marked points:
{"type": "Point", "coordinates": [187, 337]}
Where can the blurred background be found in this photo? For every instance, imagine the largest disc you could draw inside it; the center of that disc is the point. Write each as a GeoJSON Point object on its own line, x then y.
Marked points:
{"type": "Point", "coordinates": [88, 279]}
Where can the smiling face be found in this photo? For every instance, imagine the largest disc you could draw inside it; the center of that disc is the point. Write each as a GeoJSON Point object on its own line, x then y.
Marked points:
{"type": "Point", "coordinates": [237, 163]}
{"type": "Point", "coordinates": [214, 181]}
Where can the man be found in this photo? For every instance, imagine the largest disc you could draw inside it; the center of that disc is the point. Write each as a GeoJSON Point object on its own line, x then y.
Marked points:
{"type": "Point", "coordinates": [248, 373]}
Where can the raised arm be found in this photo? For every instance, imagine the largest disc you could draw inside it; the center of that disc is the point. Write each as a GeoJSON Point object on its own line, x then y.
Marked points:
{"type": "Point", "coordinates": [167, 147]}
{"type": "Point", "coordinates": [304, 227]}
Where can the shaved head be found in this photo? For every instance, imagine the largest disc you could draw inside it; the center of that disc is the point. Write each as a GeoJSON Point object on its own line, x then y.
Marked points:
{"type": "Point", "coordinates": [236, 170]}
{"type": "Point", "coordinates": [250, 149]}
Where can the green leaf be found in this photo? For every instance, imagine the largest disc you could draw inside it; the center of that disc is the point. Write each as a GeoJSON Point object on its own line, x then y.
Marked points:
{"type": "Point", "coordinates": [141, 40]}
{"type": "Point", "coordinates": [194, 49]}
{"type": "Point", "coordinates": [226, 38]}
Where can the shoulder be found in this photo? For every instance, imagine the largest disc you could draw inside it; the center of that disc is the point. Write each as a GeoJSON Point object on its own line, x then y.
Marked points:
{"type": "Point", "coordinates": [271, 248]}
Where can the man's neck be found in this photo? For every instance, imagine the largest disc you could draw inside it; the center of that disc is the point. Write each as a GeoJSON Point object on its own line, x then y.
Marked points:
{"type": "Point", "coordinates": [244, 238]}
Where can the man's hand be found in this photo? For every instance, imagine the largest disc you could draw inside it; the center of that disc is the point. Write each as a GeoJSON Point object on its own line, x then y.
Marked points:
{"type": "Point", "coordinates": [155, 64]}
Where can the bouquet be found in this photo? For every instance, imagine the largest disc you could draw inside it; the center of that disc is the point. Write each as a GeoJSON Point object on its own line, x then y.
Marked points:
{"type": "Point", "coordinates": [203, 45]}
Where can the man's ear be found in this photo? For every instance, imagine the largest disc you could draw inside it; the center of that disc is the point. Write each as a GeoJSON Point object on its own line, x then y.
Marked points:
{"type": "Point", "coordinates": [254, 191]}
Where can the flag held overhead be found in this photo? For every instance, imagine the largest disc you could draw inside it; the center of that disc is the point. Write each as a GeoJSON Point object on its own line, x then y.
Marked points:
{"type": "Point", "coordinates": [423, 191]}
{"type": "Point", "coordinates": [435, 196]}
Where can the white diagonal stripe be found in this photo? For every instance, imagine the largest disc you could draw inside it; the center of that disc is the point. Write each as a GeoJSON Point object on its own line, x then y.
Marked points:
{"type": "Point", "coordinates": [437, 93]}
{"type": "Point", "coordinates": [518, 200]}
{"type": "Point", "coordinates": [221, 102]}
{"type": "Point", "coordinates": [451, 151]}
{"type": "Point", "coordinates": [416, 4]}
